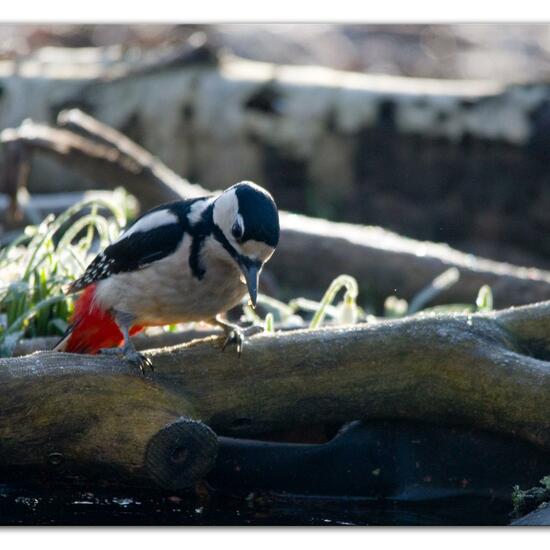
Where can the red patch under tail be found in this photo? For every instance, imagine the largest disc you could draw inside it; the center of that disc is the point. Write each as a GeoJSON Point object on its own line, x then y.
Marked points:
{"type": "Point", "coordinates": [91, 327]}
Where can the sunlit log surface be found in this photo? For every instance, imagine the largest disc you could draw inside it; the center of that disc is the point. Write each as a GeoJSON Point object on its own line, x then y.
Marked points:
{"type": "Point", "coordinates": [311, 251]}
{"type": "Point", "coordinates": [487, 371]}
{"type": "Point", "coordinates": [142, 341]}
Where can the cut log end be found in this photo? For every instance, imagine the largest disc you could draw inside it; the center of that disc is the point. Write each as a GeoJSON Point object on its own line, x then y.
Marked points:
{"type": "Point", "coordinates": [181, 453]}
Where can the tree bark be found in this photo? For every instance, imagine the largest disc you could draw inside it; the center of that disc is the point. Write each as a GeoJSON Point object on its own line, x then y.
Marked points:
{"type": "Point", "coordinates": [487, 371]}
{"type": "Point", "coordinates": [71, 416]}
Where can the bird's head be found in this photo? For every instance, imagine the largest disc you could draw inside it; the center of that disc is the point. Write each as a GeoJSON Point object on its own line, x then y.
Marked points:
{"type": "Point", "coordinates": [247, 225]}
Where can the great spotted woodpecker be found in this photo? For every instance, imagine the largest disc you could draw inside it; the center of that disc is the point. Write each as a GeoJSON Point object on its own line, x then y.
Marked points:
{"type": "Point", "coordinates": [184, 261]}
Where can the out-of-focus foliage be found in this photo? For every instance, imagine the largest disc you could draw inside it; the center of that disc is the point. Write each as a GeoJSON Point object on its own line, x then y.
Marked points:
{"type": "Point", "coordinates": [347, 312]}
{"type": "Point", "coordinates": [36, 266]}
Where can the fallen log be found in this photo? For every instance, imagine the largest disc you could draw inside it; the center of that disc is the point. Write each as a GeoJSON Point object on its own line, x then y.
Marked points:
{"type": "Point", "coordinates": [312, 252]}
{"type": "Point", "coordinates": [488, 371]}
{"type": "Point", "coordinates": [71, 417]}
{"type": "Point", "coordinates": [152, 181]}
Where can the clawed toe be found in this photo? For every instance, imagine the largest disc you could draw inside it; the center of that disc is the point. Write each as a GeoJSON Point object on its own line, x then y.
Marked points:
{"type": "Point", "coordinates": [238, 336]}
{"type": "Point", "coordinates": [234, 336]}
{"type": "Point", "coordinates": [132, 356]}
{"type": "Point", "coordinates": [139, 360]}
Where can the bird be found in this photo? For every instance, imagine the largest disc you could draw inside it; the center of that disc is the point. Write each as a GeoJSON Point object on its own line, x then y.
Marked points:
{"type": "Point", "coordinates": [187, 260]}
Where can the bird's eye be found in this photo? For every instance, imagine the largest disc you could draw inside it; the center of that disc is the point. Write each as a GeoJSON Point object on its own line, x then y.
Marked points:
{"type": "Point", "coordinates": [237, 231]}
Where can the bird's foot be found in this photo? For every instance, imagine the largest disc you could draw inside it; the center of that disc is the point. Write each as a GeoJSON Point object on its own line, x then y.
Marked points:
{"type": "Point", "coordinates": [132, 356]}
{"type": "Point", "coordinates": [139, 360]}
{"type": "Point", "coordinates": [238, 336]}
{"type": "Point", "coordinates": [234, 335]}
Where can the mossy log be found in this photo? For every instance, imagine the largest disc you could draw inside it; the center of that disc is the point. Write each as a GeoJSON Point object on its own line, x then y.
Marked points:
{"type": "Point", "coordinates": [70, 416]}
{"type": "Point", "coordinates": [488, 371]}
{"type": "Point", "coordinates": [312, 252]}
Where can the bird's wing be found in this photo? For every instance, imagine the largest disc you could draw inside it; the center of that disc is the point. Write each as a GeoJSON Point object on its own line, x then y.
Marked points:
{"type": "Point", "coordinates": [150, 238]}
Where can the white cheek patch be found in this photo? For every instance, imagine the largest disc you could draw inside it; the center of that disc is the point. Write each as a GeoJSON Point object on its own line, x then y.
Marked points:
{"type": "Point", "coordinates": [151, 221]}
{"type": "Point", "coordinates": [197, 209]}
{"type": "Point", "coordinates": [240, 221]}
{"type": "Point", "coordinates": [226, 209]}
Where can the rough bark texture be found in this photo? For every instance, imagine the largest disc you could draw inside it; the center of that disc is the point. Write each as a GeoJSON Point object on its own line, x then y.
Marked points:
{"type": "Point", "coordinates": [366, 149]}
{"type": "Point", "coordinates": [311, 252]}
{"type": "Point", "coordinates": [486, 371]}
{"type": "Point", "coordinates": [66, 417]}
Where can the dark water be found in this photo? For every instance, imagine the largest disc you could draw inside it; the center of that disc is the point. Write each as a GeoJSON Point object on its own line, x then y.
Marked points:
{"type": "Point", "coordinates": [375, 473]}
{"type": "Point", "coordinates": [30, 506]}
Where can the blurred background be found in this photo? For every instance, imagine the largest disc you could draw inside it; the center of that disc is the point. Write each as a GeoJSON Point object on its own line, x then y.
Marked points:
{"type": "Point", "coordinates": [444, 139]}
{"type": "Point", "coordinates": [505, 52]}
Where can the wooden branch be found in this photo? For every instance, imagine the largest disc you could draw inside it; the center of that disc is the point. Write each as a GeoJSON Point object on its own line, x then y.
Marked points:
{"type": "Point", "coordinates": [110, 165]}
{"type": "Point", "coordinates": [13, 180]}
{"type": "Point", "coordinates": [163, 184]}
{"type": "Point", "coordinates": [485, 371]}
{"type": "Point", "coordinates": [311, 251]}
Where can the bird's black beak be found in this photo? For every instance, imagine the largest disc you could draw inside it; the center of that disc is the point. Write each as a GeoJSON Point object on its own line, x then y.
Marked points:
{"type": "Point", "coordinates": [251, 272]}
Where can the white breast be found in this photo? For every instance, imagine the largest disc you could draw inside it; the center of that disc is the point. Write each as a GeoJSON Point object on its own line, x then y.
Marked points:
{"type": "Point", "coordinates": [167, 292]}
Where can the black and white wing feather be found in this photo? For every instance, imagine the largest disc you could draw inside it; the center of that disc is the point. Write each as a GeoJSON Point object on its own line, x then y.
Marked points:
{"type": "Point", "coordinates": [155, 235]}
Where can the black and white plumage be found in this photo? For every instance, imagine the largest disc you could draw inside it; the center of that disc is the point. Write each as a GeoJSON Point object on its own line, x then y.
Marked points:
{"type": "Point", "coordinates": [153, 236]}
{"type": "Point", "coordinates": [185, 261]}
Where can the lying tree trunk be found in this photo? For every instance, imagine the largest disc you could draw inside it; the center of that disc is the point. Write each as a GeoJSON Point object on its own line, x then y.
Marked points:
{"type": "Point", "coordinates": [72, 416]}
{"type": "Point", "coordinates": [311, 252]}
{"type": "Point", "coordinates": [486, 371]}
{"type": "Point", "coordinates": [480, 370]}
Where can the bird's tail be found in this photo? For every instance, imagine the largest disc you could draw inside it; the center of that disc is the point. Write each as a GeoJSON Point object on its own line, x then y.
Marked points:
{"type": "Point", "coordinates": [91, 328]}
